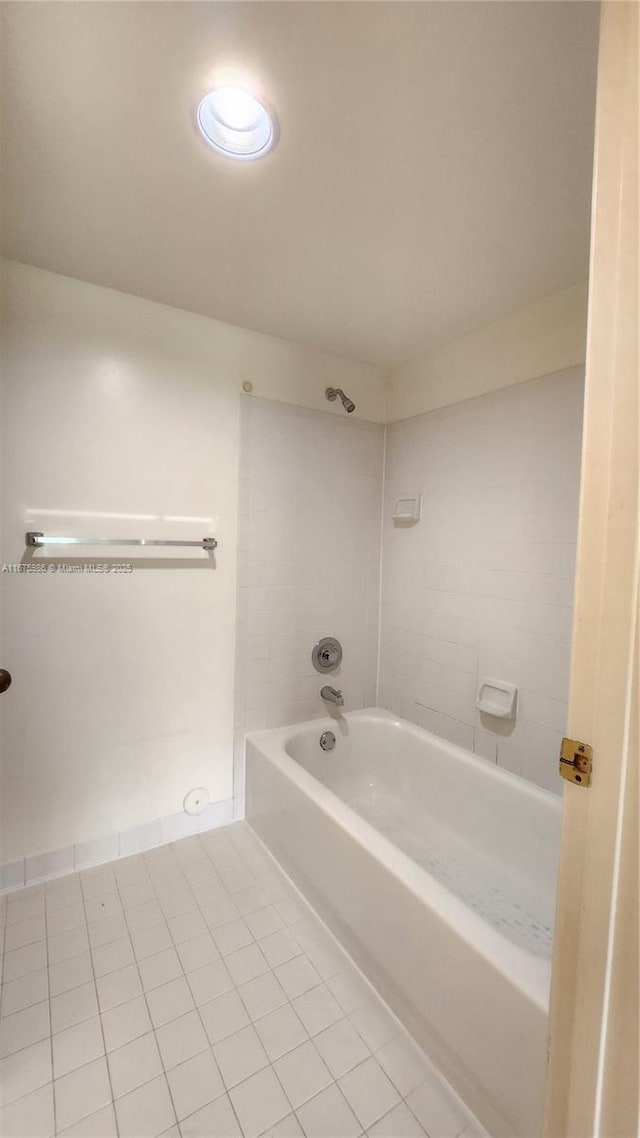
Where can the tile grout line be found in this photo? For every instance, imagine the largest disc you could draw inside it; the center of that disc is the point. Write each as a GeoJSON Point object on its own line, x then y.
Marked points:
{"type": "Point", "coordinates": [95, 985]}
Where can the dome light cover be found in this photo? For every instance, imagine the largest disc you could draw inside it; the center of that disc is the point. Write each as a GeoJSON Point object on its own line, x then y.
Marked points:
{"type": "Point", "coordinates": [236, 124]}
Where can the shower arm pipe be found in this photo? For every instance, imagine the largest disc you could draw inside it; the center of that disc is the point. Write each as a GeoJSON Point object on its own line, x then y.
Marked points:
{"type": "Point", "coordinates": [35, 540]}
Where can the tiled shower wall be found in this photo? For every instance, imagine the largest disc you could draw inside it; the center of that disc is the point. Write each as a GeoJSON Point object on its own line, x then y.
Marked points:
{"type": "Point", "coordinates": [482, 586]}
{"type": "Point", "coordinates": [309, 558]}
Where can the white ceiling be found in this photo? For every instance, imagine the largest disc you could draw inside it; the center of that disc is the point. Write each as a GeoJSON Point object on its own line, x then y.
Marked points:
{"type": "Point", "coordinates": [433, 171]}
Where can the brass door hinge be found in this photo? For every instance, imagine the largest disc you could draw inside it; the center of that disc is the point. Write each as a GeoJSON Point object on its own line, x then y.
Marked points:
{"type": "Point", "coordinates": [576, 761]}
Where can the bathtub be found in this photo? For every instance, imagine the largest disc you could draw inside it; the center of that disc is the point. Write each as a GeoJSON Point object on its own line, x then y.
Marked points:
{"type": "Point", "coordinates": [436, 871]}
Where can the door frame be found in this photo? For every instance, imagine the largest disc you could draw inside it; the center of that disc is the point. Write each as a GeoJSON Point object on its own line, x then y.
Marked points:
{"type": "Point", "coordinates": [592, 1084]}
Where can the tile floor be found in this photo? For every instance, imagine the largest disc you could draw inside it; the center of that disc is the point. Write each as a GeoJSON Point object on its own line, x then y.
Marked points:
{"type": "Point", "coordinates": [189, 991]}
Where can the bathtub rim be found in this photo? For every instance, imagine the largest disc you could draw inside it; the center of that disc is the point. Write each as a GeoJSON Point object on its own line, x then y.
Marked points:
{"type": "Point", "coordinates": [528, 972]}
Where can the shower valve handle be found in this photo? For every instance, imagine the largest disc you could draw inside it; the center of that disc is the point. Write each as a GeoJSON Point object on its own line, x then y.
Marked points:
{"type": "Point", "coordinates": [5, 680]}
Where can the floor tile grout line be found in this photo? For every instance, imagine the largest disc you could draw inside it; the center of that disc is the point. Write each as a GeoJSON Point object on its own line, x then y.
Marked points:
{"type": "Point", "coordinates": [46, 952]}
{"type": "Point", "coordinates": [104, 1042]}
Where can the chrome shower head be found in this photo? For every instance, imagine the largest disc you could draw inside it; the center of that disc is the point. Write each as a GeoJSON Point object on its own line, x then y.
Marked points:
{"type": "Point", "coordinates": [333, 393]}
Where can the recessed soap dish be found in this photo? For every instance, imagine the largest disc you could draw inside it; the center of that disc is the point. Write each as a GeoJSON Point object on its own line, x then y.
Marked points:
{"type": "Point", "coordinates": [408, 508]}
{"type": "Point", "coordinates": [497, 698]}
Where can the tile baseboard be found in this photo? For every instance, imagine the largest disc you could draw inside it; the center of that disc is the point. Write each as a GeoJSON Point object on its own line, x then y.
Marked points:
{"type": "Point", "coordinates": [123, 843]}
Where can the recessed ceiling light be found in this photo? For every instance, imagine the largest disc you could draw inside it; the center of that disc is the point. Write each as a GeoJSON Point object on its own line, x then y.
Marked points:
{"type": "Point", "coordinates": [236, 124]}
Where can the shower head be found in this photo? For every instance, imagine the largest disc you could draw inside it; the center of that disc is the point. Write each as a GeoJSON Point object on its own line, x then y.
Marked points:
{"type": "Point", "coordinates": [333, 393]}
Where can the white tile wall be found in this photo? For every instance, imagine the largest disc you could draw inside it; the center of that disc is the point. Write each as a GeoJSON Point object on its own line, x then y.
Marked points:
{"type": "Point", "coordinates": [482, 585]}
{"type": "Point", "coordinates": [309, 556]}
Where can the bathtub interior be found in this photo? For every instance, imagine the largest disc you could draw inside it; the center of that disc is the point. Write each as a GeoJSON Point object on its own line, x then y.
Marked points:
{"type": "Point", "coordinates": [487, 836]}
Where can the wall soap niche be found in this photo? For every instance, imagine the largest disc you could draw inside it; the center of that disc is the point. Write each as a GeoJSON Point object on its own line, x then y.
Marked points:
{"type": "Point", "coordinates": [497, 698]}
{"type": "Point", "coordinates": [407, 509]}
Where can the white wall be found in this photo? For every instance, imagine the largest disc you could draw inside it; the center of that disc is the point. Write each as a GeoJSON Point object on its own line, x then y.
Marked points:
{"type": "Point", "coordinates": [309, 560]}
{"type": "Point", "coordinates": [483, 584]}
{"type": "Point", "coordinates": [123, 684]}
{"type": "Point", "coordinates": [542, 338]}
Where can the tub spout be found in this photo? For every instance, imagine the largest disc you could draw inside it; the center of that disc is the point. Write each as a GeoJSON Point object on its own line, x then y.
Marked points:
{"type": "Point", "coordinates": [332, 695]}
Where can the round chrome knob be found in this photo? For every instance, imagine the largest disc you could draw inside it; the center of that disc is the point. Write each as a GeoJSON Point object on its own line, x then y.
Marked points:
{"type": "Point", "coordinates": [5, 679]}
{"type": "Point", "coordinates": [327, 654]}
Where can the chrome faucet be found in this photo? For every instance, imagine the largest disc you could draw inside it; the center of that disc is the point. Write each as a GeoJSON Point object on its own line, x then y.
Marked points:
{"type": "Point", "coordinates": [332, 695]}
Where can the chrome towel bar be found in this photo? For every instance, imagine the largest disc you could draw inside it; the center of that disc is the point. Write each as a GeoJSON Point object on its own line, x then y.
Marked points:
{"type": "Point", "coordinates": [37, 540]}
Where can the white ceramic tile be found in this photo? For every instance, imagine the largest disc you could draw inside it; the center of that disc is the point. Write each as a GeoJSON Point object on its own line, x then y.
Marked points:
{"type": "Point", "coordinates": [73, 1006]}
{"type": "Point", "coordinates": [169, 1002]}
{"type": "Point", "coordinates": [240, 1055]}
{"type": "Point", "coordinates": [368, 1091]}
{"type": "Point", "coordinates": [186, 926]}
{"type": "Point", "coordinates": [288, 1127]}
{"type": "Point", "coordinates": [302, 1073]}
{"type": "Point", "coordinates": [297, 976]}
{"type": "Point", "coordinates": [76, 1046]}
{"type": "Point", "coordinates": [177, 901]}
{"type": "Point", "coordinates": [125, 1022]}
{"type": "Point", "coordinates": [280, 946]}
{"type": "Point", "coordinates": [404, 1065]}
{"type": "Point", "coordinates": [81, 1092]}
{"type": "Point", "coordinates": [197, 952]}
{"type": "Point", "coordinates": [194, 1083]}
{"type": "Point", "coordinates": [63, 892]}
{"type": "Point", "coordinates": [327, 1115]}
{"type": "Point", "coordinates": [134, 1064]}
{"type": "Point", "coordinates": [96, 851]}
{"type": "Point", "coordinates": [263, 922]}
{"type": "Point", "coordinates": [22, 993]}
{"type": "Point", "coordinates": [341, 1047]}
{"type": "Point", "coordinates": [159, 969]}
{"type": "Point", "coordinates": [209, 981]}
{"type": "Point", "coordinates": [48, 865]}
{"type": "Point", "coordinates": [106, 905]}
{"type": "Point", "coordinates": [259, 1102]}
{"type": "Point", "coordinates": [398, 1123]}
{"type": "Point", "coordinates": [140, 838]}
{"type": "Point", "coordinates": [317, 1009]}
{"type": "Point", "coordinates": [144, 915]}
{"type": "Point", "coordinates": [181, 1039]}
{"type": "Point", "coordinates": [102, 1124]}
{"type": "Point", "coordinates": [246, 963]}
{"type": "Point", "coordinates": [22, 961]}
{"type": "Point", "coordinates": [223, 1016]}
{"type": "Point", "coordinates": [137, 893]}
{"type": "Point", "coordinates": [374, 1023]}
{"type": "Point", "coordinates": [113, 956]}
{"type": "Point", "coordinates": [12, 875]}
{"type": "Point", "coordinates": [96, 882]}
{"type": "Point", "coordinates": [24, 1071]}
{"type": "Point", "coordinates": [150, 940]}
{"type": "Point", "coordinates": [216, 1120]}
{"type": "Point", "coordinates": [23, 906]}
{"type": "Point", "coordinates": [23, 1028]}
{"type": "Point", "coordinates": [107, 929]}
{"type": "Point", "coordinates": [230, 937]}
{"type": "Point", "coordinates": [68, 974]}
{"type": "Point", "coordinates": [145, 1112]}
{"type": "Point", "coordinates": [218, 911]}
{"type": "Point", "coordinates": [250, 900]}
{"type": "Point", "coordinates": [437, 1111]}
{"type": "Point", "coordinates": [118, 987]}
{"type": "Point", "coordinates": [30, 1117]}
{"type": "Point", "coordinates": [67, 917]}
{"type": "Point", "coordinates": [262, 995]}
{"type": "Point", "coordinates": [24, 933]}
{"type": "Point", "coordinates": [65, 945]}
{"type": "Point", "coordinates": [349, 990]}
{"type": "Point", "coordinates": [280, 1031]}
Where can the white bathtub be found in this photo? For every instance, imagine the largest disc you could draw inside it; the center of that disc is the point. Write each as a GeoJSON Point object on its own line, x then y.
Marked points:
{"type": "Point", "coordinates": [436, 870]}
